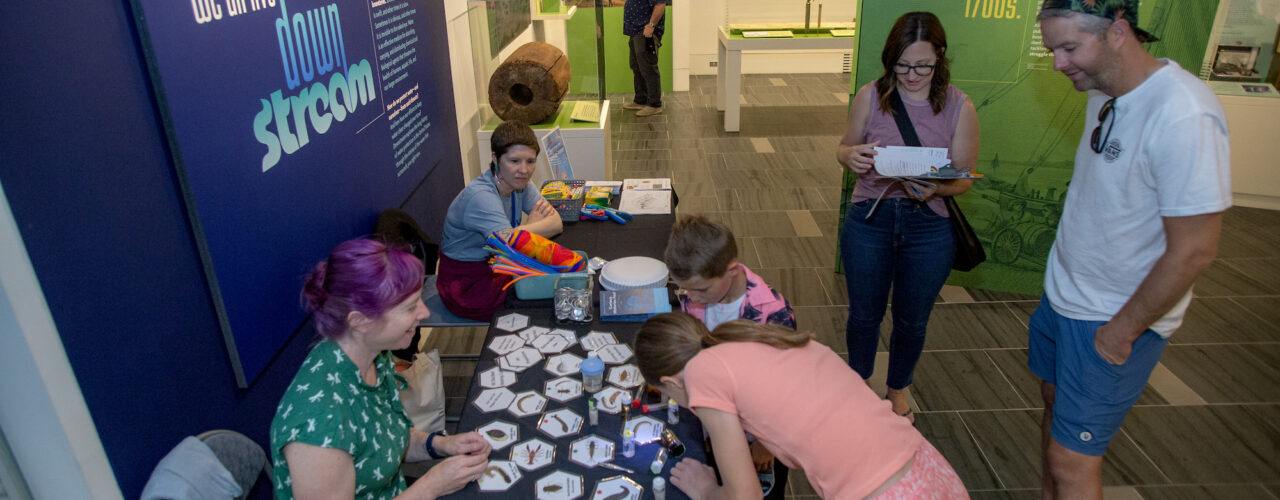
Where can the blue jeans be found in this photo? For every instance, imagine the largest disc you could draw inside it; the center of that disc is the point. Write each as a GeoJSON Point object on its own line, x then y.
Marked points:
{"type": "Point", "coordinates": [903, 246]}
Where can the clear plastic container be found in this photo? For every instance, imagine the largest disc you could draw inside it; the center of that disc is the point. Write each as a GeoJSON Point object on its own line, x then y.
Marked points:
{"type": "Point", "coordinates": [592, 373]}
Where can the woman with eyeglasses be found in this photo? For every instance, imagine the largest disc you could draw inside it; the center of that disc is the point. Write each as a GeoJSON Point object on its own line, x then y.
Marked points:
{"type": "Point", "coordinates": [896, 234]}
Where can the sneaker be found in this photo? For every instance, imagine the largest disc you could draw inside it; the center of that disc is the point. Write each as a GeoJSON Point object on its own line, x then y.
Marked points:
{"type": "Point", "coordinates": [766, 480]}
{"type": "Point", "coordinates": [632, 105]}
{"type": "Point", "coordinates": [649, 111]}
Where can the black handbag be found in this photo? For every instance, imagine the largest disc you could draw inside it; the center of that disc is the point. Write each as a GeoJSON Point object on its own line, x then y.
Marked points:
{"type": "Point", "coordinates": [969, 251]}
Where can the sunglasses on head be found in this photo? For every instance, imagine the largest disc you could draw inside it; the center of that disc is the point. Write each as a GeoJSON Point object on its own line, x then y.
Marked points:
{"type": "Point", "coordinates": [1099, 139]}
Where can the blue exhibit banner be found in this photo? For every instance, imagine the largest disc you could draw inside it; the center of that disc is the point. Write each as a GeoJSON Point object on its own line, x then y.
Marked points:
{"type": "Point", "coordinates": [292, 125]}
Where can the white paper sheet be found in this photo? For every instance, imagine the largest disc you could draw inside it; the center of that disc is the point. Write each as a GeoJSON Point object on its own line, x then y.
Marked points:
{"type": "Point", "coordinates": [903, 161]}
{"type": "Point", "coordinates": [638, 202]}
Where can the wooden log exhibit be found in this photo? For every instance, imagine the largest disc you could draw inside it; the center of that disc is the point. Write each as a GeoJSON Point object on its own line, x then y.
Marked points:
{"type": "Point", "coordinates": [529, 85]}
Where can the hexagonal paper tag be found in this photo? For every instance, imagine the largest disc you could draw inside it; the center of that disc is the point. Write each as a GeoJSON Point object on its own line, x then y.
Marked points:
{"type": "Point", "coordinates": [496, 377]}
{"type": "Point", "coordinates": [617, 488]}
{"type": "Point", "coordinates": [595, 340]}
{"type": "Point", "coordinates": [527, 403]}
{"type": "Point", "coordinates": [563, 364]}
{"type": "Point", "coordinates": [512, 322]}
{"type": "Point", "coordinates": [609, 399]}
{"type": "Point", "coordinates": [646, 429]}
{"type": "Point", "coordinates": [563, 389]}
{"type": "Point", "coordinates": [499, 433]}
{"type": "Point", "coordinates": [558, 485]}
{"type": "Point", "coordinates": [533, 454]}
{"type": "Point", "coordinates": [560, 423]}
{"type": "Point", "coordinates": [550, 344]}
{"type": "Point", "coordinates": [614, 353]}
{"type": "Point", "coordinates": [625, 376]}
{"type": "Point", "coordinates": [533, 332]}
{"type": "Point", "coordinates": [591, 451]}
{"type": "Point", "coordinates": [520, 359]}
{"type": "Point", "coordinates": [498, 476]}
{"type": "Point", "coordinates": [491, 400]}
{"type": "Point", "coordinates": [503, 344]}
{"type": "Point", "coordinates": [568, 335]}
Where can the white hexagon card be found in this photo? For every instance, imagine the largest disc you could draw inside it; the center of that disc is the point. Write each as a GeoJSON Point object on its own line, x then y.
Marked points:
{"type": "Point", "coordinates": [527, 403]}
{"type": "Point", "coordinates": [563, 389]}
{"type": "Point", "coordinates": [496, 377]}
{"type": "Point", "coordinates": [499, 433]}
{"type": "Point", "coordinates": [595, 340]}
{"type": "Point", "coordinates": [591, 451]}
{"type": "Point", "coordinates": [617, 488]}
{"type": "Point", "coordinates": [614, 353]}
{"type": "Point", "coordinates": [512, 322]}
{"type": "Point", "coordinates": [503, 344]}
{"type": "Point", "coordinates": [563, 364]}
{"type": "Point", "coordinates": [520, 359]}
{"type": "Point", "coordinates": [560, 423]}
{"type": "Point", "coordinates": [533, 454]}
{"type": "Point", "coordinates": [645, 429]}
{"type": "Point", "coordinates": [498, 476]}
{"type": "Point", "coordinates": [558, 485]}
{"type": "Point", "coordinates": [550, 344]}
{"type": "Point", "coordinates": [625, 376]}
{"type": "Point", "coordinates": [567, 335]}
{"type": "Point", "coordinates": [610, 399]}
{"type": "Point", "coordinates": [533, 332]}
{"type": "Point", "coordinates": [491, 400]}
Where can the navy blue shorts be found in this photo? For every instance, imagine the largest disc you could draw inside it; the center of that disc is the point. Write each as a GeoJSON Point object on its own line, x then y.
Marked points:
{"type": "Point", "coordinates": [1092, 396]}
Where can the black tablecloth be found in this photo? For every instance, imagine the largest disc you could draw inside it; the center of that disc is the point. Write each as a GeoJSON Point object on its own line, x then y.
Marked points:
{"type": "Point", "coordinates": [689, 430]}
{"type": "Point", "coordinates": [646, 235]}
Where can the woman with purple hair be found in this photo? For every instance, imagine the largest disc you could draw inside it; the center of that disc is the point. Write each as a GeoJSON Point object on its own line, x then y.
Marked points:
{"type": "Point", "coordinates": [340, 430]}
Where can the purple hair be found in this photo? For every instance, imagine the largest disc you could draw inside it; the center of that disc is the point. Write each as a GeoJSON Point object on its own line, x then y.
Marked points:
{"type": "Point", "coordinates": [362, 275]}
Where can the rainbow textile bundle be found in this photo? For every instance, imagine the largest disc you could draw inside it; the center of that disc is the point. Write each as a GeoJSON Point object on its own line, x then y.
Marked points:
{"type": "Point", "coordinates": [521, 253]}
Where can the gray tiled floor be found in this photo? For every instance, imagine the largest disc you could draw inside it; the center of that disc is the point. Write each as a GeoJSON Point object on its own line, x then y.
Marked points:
{"type": "Point", "coordinates": [977, 401]}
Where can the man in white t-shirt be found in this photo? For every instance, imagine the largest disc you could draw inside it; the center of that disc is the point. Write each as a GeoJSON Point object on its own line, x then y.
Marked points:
{"type": "Point", "coordinates": [1142, 220]}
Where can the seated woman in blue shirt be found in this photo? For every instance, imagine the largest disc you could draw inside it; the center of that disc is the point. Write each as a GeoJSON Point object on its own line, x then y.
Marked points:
{"type": "Point", "coordinates": [494, 201]}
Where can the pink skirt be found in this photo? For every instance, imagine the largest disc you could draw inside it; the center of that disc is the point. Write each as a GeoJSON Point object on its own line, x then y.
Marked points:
{"type": "Point", "coordinates": [931, 476]}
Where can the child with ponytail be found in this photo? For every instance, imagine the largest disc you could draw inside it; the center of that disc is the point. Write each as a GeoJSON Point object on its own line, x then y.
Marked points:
{"type": "Point", "coordinates": [799, 399]}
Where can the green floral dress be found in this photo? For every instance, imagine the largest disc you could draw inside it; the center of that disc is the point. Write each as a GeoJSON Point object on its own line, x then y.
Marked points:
{"type": "Point", "coordinates": [328, 405]}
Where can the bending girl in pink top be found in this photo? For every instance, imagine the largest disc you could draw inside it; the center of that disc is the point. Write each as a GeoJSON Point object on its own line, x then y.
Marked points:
{"type": "Point", "coordinates": [799, 399]}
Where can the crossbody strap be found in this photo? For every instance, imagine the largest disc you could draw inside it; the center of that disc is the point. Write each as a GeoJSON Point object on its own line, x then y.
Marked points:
{"type": "Point", "coordinates": [900, 116]}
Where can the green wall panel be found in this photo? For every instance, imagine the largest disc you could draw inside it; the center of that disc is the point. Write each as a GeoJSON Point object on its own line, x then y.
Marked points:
{"type": "Point", "coordinates": [581, 31]}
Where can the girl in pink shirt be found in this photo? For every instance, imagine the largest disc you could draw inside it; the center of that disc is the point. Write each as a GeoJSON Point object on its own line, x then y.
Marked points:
{"type": "Point", "coordinates": [799, 399]}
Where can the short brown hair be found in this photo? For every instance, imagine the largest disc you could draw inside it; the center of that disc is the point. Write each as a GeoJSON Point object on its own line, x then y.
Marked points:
{"type": "Point", "coordinates": [699, 247]}
{"type": "Point", "coordinates": [512, 133]}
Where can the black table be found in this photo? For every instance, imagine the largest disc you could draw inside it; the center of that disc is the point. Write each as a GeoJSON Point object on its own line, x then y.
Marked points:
{"type": "Point", "coordinates": [646, 236]}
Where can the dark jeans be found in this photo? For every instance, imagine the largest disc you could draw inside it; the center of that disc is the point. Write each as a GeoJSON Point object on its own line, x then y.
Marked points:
{"type": "Point", "coordinates": [644, 67]}
{"type": "Point", "coordinates": [903, 246]}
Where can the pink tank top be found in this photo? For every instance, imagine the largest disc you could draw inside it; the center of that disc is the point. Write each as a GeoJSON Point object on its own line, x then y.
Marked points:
{"type": "Point", "coordinates": [935, 131]}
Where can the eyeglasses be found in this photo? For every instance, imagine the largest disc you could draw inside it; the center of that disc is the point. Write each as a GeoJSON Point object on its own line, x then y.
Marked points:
{"type": "Point", "coordinates": [919, 69]}
{"type": "Point", "coordinates": [1099, 141]}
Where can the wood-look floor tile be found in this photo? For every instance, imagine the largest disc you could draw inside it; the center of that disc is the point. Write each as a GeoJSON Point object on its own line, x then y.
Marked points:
{"type": "Point", "coordinates": [827, 324]}
{"type": "Point", "coordinates": [1203, 492]}
{"type": "Point", "coordinates": [830, 197]}
{"type": "Point", "coordinates": [803, 224]}
{"type": "Point", "coordinates": [696, 204]}
{"type": "Point", "coordinates": [961, 380]}
{"type": "Point", "coordinates": [466, 340]}
{"type": "Point", "coordinates": [834, 285]}
{"type": "Point", "coordinates": [742, 179]}
{"type": "Point", "coordinates": [747, 253]}
{"type": "Point", "coordinates": [1208, 444]}
{"type": "Point", "coordinates": [982, 295]}
{"type": "Point", "coordinates": [828, 220]}
{"type": "Point", "coordinates": [798, 285]}
{"type": "Point", "coordinates": [1265, 270]}
{"type": "Point", "coordinates": [946, 432]}
{"type": "Point", "coordinates": [760, 161]}
{"type": "Point", "coordinates": [1224, 279]}
{"type": "Point", "coordinates": [805, 177]}
{"type": "Point", "coordinates": [1227, 373]}
{"type": "Point", "coordinates": [797, 252]}
{"type": "Point", "coordinates": [974, 326]}
{"type": "Point", "coordinates": [1217, 320]}
{"type": "Point", "coordinates": [776, 199]}
{"type": "Point", "coordinates": [1011, 441]}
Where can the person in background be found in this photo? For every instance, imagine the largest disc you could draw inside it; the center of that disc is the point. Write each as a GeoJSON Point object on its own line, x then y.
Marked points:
{"type": "Point", "coordinates": [494, 201]}
{"type": "Point", "coordinates": [643, 22]}
{"type": "Point", "coordinates": [799, 399]}
{"type": "Point", "coordinates": [340, 430]}
{"type": "Point", "coordinates": [702, 257]}
{"type": "Point", "coordinates": [896, 234]}
{"type": "Point", "coordinates": [1142, 219]}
